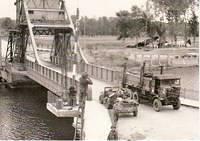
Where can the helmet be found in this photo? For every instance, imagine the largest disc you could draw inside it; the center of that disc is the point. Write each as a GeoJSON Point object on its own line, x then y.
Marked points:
{"type": "Point", "coordinates": [113, 127]}
{"type": "Point", "coordinates": [85, 74]}
{"type": "Point", "coordinates": [72, 89]}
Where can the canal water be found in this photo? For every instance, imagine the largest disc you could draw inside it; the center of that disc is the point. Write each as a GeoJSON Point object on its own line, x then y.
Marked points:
{"type": "Point", "coordinates": [189, 77]}
{"type": "Point", "coordinates": [23, 116]}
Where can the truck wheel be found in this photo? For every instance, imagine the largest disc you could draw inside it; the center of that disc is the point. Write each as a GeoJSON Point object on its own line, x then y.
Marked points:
{"type": "Point", "coordinates": [135, 113]}
{"type": "Point", "coordinates": [101, 99]}
{"type": "Point", "coordinates": [157, 105]}
{"type": "Point", "coordinates": [108, 106]}
{"type": "Point", "coordinates": [177, 105]}
{"type": "Point", "coordinates": [135, 96]}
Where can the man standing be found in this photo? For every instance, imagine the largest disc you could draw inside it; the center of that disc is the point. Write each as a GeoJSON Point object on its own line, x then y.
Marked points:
{"type": "Point", "coordinates": [113, 135]}
{"type": "Point", "coordinates": [72, 96]}
{"type": "Point", "coordinates": [84, 82]}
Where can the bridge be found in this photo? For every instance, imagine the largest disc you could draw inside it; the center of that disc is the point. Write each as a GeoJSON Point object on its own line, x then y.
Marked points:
{"type": "Point", "coordinates": [46, 19]}
{"type": "Point", "coordinates": [59, 67]}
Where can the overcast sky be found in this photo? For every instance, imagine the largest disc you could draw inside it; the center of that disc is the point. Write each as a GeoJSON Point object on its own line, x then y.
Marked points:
{"type": "Point", "coordinates": [90, 8]}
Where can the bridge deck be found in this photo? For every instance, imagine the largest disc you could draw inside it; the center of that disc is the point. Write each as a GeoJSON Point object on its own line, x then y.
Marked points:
{"type": "Point", "coordinates": [97, 120]}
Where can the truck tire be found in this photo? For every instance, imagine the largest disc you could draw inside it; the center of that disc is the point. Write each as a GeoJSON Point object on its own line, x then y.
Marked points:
{"type": "Point", "coordinates": [136, 97]}
{"type": "Point", "coordinates": [135, 113]}
{"type": "Point", "coordinates": [177, 105]}
{"type": "Point", "coordinates": [109, 106]}
{"type": "Point", "coordinates": [101, 99]}
{"type": "Point", "coordinates": [157, 105]}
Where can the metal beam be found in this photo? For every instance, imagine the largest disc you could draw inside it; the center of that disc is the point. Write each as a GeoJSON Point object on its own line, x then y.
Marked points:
{"type": "Point", "coordinates": [30, 27]}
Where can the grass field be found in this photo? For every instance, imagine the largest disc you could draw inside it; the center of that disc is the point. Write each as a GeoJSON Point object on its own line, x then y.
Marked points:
{"type": "Point", "coordinates": [109, 52]}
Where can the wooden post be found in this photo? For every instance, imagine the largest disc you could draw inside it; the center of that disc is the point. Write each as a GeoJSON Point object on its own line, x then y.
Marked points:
{"type": "Point", "coordinates": [184, 92]}
{"type": "Point", "coordinates": [151, 60]}
{"type": "Point", "coordinates": [142, 58]}
{"type": "Point", "coordinates": [159, 62]}
{"type": "Point", "coordinates": [135, 58]}
{"type": "Point", "coordinates": [168, 60]}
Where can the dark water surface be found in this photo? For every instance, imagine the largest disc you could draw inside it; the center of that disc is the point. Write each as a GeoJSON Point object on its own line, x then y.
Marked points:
{"type": "Point", "coordinates": [23, 115]}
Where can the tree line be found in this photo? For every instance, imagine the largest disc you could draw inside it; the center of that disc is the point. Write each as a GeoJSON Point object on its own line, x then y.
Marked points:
{"type": "Point", "coordinates": [172, 21]}
{"type": "Point", "coordinates": [5, 25]}
{"type": "Point", "coordinates": [97, 26]}
{"type": "Point", "coordinates": [169, 18]}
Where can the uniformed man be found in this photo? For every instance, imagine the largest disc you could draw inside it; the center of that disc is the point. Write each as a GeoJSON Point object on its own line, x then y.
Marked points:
{"type": "Point", "coordinates": [113, 135]}
{"type": "Point", "coordinates": [72, 96]}
{"type": "Point", "coordinates": [84, 82]}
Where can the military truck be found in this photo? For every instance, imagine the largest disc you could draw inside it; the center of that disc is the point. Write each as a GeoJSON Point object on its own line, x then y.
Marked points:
{"type": "Point", "coordinates": [158, 89]}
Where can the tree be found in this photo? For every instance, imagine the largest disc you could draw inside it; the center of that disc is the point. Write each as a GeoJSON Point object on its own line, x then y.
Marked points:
{"type": "Point", "coordinates": [131, 24]}
{"type": "Point", "coordinates": [100, 26]}
{"type": "Point", "coordinates": [7, 24]}
{"type": "Point", "coordinates": [137, 22]}
{"type": "Point", "coordinates": [173, 11]}
{"type": "Point", "coordinates": [123, 24]}
{"type": "Point", "coordinates": [194, 26]}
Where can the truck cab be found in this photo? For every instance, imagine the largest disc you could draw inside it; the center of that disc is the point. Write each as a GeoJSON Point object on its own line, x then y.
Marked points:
{"type": "Point", "coordinates": [160, 90]}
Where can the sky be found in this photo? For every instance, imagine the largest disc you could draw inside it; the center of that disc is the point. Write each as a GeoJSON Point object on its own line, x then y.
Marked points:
{"type": "Point", "coordinates": [90, 8]}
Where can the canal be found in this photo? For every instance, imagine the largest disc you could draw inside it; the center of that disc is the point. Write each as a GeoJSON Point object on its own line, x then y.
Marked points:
{"type": "Point", "coordinates": [23, 116]}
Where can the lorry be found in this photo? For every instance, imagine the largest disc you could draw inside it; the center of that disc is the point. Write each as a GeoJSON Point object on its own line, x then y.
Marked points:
{"type": "Point", "coordinates": [158, 89]}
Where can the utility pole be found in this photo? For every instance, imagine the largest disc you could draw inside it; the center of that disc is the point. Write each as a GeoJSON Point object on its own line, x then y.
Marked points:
{"type": "Point", "coordinates": [124, 75]}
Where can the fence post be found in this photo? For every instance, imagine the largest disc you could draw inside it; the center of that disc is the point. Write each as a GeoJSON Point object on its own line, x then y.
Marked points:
{"type": "Point", "coordinates": [101, 73]}
{"type": "Point", "coordinates": [159, 62]}
{"type": "Point", "coordinates": [168, 61]}
{"type": "Point", "coordinates": [184, 91]}
{"type": "Point", "coordinates": [135, 58]}
{"type": "Point", "coordinates": [142, 58]}
{"type": "Point", "coordinates": [112, 76]}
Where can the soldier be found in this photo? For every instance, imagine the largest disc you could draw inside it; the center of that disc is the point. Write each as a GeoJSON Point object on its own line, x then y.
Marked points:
{"type": "Point", "coordinates": [72, 96]}
{"type": "Point", "coordinates": [84, 82]}
{"type": "Point", "coordinates": [115, 116]}
{"type": "Point", "coordinates": [113, 135]}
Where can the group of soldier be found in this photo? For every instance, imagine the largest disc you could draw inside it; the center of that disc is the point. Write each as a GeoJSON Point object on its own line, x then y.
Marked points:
{"type": "Point", "coordinates": [84, 82]}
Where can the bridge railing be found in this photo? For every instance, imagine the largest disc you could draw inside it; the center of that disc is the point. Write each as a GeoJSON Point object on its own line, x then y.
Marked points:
{"type": "Point", "coordinates": [57, 61]}
{"type": "Point", "coordinates": [98, 72]}
{"type": "Point", "coordinates": [101, 73]}
{"type": "Point", "coordinates": [167, 59]}
{"type": "Point", "coordinates": [51, 75]}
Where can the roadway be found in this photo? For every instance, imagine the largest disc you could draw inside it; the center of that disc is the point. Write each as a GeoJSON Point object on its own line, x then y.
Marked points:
{"type": "Point", "coordinates": [166, 124]}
